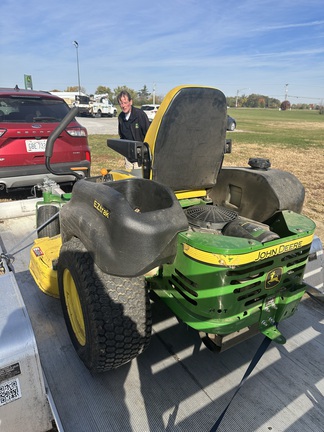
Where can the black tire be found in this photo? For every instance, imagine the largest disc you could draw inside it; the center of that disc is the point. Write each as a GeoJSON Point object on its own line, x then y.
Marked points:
{"type": "Point", "coordinates": [108, 317]}
{"type": "Point", "coordinates": [44, 213]}
{"type": "Point", "coordinates": [99, 114]}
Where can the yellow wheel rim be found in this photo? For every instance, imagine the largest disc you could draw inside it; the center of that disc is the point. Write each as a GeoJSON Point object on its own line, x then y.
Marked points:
{"type": "Point", "coordinates": [73, 306]}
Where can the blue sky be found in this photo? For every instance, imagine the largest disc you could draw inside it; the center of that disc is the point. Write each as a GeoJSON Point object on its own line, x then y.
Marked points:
{"type": "Point", "coordinates": [242, 46]}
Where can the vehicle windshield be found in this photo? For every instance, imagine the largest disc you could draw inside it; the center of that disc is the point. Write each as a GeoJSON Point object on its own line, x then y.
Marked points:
{"type": "Point", "coordinates": [149, 107]}
{"type": "Point", "coordinates": [29, 109]}
{"type": "Point", "coordinates": [82, 99]}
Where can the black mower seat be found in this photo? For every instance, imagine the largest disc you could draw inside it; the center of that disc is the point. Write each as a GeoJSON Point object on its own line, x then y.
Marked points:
{"type": "Point", "coordinates": [187, 138]}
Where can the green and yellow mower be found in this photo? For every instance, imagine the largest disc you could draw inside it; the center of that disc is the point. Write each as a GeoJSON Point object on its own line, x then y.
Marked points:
{"type": "Point", "coordinates": [224, 247]}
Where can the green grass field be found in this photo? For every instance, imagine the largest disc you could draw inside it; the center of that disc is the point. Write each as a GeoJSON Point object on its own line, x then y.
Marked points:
{"type": "Point", "coordinates": [292, 140]}
{"type": "Point", "coordinates": [102, 156]}
{"type": "Point", "coordinates": [291, 129]}
{"type": "Point", "coordinates": [264, 128]}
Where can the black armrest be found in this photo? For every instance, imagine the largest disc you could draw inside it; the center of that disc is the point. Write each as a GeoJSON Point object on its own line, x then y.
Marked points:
{"type": "Point", "coordinates": [134, 151]}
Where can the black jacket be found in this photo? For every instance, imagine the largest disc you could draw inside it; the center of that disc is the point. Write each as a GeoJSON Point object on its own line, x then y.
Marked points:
{"type": "Point", "coordinates": [135, 127]}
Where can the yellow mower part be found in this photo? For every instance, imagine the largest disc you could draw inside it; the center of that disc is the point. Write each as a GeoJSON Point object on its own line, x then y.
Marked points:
{"type": "Point", "coordinates": [191, 194]}
{"type": "Point", "coordinates": [121, 174]}
{"type": "Point", "coordinates": [231, 260]}
{"type": "Point", "coordinates": [43, 254]}
{"type": "Point", "coordinates": [73, 305]}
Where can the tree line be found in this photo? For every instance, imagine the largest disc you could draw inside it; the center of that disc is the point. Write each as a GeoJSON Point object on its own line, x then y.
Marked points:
{"type": "Point", "coordinates": [261, 101]}
{"type": "Point", "coordinates": [140, 97]}
{"type": "Point", "coordinates": [143, 96]}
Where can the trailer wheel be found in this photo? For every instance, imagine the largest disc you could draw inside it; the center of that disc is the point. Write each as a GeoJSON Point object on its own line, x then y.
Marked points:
{"type": "Point", "coordinates": [108, 317]}
{"type": "Point", "coordinates": [44, 213]}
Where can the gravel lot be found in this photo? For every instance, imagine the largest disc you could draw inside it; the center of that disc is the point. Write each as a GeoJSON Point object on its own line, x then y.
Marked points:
{"type": "Point", "coordinates": [100, 126]}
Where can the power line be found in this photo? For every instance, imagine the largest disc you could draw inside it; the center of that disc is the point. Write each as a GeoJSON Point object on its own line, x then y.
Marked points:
{"type": "Point", "coordinates": [304, 97]}
{"type": "Point", "coordinates": [298, 97]}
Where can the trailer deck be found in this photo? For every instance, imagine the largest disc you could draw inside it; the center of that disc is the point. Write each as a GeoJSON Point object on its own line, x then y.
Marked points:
{"type": "Point", "coordinates": [176, 384]}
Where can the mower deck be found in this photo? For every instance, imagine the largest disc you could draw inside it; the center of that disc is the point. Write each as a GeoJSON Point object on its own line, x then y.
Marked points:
{"type": "Point", "coordinates": [176, 384]}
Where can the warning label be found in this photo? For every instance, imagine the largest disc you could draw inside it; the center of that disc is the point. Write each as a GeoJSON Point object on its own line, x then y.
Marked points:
{"type": "Point", "coordinates": [38, 251]}
{"type": "Point", "coordinates": [10, 371]}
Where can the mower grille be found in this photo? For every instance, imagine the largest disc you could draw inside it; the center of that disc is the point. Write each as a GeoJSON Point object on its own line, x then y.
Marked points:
{"type": "Point", "coordinates": [209, 216]}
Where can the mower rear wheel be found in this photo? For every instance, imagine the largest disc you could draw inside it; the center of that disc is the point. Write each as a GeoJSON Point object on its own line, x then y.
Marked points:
{"type": "Point", "coordinates": [44, 213]}
{"type": "Point", "coordinates": [108, 317]}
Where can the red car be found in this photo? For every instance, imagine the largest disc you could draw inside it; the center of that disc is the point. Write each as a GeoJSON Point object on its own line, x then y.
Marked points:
{"type": "Point", "coordinates": [27, 118]}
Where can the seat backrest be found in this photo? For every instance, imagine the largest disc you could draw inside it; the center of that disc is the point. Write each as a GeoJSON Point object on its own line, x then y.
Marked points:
{"type": "Point", "coordinates": [187, 138]}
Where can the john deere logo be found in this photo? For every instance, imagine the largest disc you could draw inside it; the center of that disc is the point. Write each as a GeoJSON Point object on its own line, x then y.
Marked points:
{"type": "Point", "coordinates": [273, 278]}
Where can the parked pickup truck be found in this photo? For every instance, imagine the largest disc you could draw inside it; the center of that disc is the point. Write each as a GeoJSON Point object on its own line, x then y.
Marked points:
{"type": "Point", "coordinates": [102, 107]}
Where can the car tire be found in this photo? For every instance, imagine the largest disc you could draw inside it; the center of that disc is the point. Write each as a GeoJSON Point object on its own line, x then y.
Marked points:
{"type": "Point", "coordinates": [99, 114]}
{"type": "Point", "coordinates": [44, 213]}
{"type": "Point", "coordinates": [108, 317]}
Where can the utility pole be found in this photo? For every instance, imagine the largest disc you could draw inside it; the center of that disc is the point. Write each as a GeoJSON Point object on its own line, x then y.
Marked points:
{"type": "Point", "coordinates": [237, 95]}
{"type": "Point", "coordinates": [154, 93]}
{"type": "Point", "coordinates": [286, 91]}
{"type": "Point", "coordinates": [75, 43]}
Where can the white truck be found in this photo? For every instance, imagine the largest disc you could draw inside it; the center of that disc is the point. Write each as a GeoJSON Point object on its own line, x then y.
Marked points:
{"type": "Point", "coordinates": [78, 99]}
{"type": "Point", "coordinates": [100, 106]}
{"type": "Point", "coordinates": [94, 106]}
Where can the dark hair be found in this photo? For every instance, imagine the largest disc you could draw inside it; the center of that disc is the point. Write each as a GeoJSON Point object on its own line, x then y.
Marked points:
{"type": "Point", "coordinates": [124, 93]}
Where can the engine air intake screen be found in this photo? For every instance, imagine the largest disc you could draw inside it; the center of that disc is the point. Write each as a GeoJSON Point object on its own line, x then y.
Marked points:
{"type": "Point", "coordinates": [209, 216]}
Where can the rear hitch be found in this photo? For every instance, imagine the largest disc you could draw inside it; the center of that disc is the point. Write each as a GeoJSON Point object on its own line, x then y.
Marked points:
{"type": "Point", "coordinates": [274, 334]}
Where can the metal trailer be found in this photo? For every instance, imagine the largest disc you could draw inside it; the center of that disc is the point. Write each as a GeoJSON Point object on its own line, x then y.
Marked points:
{"type": "Point", "coordinates": [315, 267]}
{"type": "Point", "coordinates": [175, 385]}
